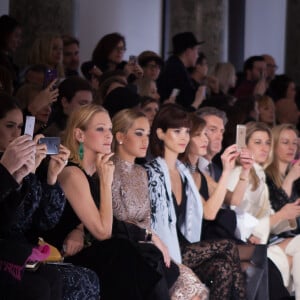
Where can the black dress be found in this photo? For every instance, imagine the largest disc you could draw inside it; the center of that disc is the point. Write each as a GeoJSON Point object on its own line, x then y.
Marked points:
{"type": "Point", "coordinates": [123, 272]}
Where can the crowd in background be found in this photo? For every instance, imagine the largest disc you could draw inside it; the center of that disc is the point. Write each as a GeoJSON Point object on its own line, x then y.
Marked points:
{"type": "Point", "coordinates": [195, 215]}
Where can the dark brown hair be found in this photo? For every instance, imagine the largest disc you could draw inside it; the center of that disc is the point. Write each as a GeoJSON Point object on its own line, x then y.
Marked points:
{"type": "Point", "coordinates": [169, 116]}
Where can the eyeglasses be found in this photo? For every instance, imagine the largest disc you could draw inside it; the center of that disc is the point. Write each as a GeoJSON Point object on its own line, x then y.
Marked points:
{"type": "Point", "coordinates": [153, 66]}
{"type": "Point", "coordinates": [271, 66]}
{"type": "Point", "coordinates": [120, 49]}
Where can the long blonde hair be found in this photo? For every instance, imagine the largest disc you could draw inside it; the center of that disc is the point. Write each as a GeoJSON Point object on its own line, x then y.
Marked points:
{"type": "Point", "coordinates": [224, 72]}
{"type": "Point", "coordinates": [41, 51]}
{"type": "Point", "coordinates": [79, 119]}
{"type": "Point", "coordinates": [251, 128]}
{"type": "Point", "coordinates": [273, 169]}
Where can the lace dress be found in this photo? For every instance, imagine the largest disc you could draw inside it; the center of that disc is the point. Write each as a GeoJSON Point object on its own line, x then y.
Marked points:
{"type": "Point", "coordinates": [131, 203]}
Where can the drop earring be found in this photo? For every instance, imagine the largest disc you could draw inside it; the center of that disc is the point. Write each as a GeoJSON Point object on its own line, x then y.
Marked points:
{"type": "Point", "coordinates": [80, 151]}
{"type": "Point", "coordinates": [120, 143]}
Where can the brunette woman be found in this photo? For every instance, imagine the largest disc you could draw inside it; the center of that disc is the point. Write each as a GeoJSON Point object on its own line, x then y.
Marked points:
{"type": "Point", "coordinates": [177, 211]}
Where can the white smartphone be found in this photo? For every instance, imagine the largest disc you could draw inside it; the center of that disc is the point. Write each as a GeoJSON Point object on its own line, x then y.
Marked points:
{"type": "Point", "coordinates": [175, 92]}
{"type": "Point", "coordinates": [240, 136]}
{"type": "Point", "coordinates": [29, 125]}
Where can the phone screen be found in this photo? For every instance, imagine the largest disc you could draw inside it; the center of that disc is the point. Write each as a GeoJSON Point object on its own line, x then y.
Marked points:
{"type": "Point", "coordinates": [52, 144]}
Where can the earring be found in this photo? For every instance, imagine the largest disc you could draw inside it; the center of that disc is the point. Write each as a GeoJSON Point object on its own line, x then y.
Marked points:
{"type": "Point", "coordinates": [120, 143]}
{"type": "Point", "coordinates": [80, 150]}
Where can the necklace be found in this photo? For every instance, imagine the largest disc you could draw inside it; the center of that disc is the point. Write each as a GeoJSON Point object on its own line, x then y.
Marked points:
{"type": "Point", "coordinates": [192, 169]}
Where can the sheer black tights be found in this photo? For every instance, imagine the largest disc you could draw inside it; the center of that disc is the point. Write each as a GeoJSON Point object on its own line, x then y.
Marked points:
{"type": "Point", "coordinates": [217, 264]}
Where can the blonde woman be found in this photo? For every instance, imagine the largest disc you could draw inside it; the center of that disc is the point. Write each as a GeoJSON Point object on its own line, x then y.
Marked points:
{"type": "Point", "coordinates": [249, 193]}
{"type": "Point", "coordinates": [266, 110]}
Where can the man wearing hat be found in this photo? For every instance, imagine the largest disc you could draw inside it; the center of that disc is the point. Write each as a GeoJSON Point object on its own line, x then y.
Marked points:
{"type": "Point", "coordinates": [175, 73]}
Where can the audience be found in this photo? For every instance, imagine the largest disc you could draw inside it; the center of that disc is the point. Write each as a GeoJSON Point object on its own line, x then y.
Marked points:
{"type": "Point", "coordinates": [70, 55]}
{"type": "Point", "coordinates": [151, 64]}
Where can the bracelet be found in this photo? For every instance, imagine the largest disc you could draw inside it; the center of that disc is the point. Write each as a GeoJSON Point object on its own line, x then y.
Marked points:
{"type": "Point", "coordinates": [148, 235]}
{"type": "Point", "coordinates": [243, 179]}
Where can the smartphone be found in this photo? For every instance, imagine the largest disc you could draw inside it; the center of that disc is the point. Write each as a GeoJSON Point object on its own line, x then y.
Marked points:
{"type": "Point", "coordinates": [52, 144]}
{"type": "Point", "coordinates": [50, 75]}
{"type": "Point", "coordinates": [32, 265]}
{"type": "Point", "coordinates": [132, 59]}
{"type": "Point", "coordinates": [240, 136]}
{"type": "Point", "coordinates": [29, 125]}
{"type": "Point", "coordinates": [175, 92]}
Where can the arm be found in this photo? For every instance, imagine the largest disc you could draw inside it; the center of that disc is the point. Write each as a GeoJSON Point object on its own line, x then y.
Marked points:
{"type": "Point", "coordinates": [235, 197]}
{"type": "Point", "coordinates": [216, 199]}
{"type": "Point", "coordinates": [292, 176]}
{"type": "Point", "coordinates": [77, 191]}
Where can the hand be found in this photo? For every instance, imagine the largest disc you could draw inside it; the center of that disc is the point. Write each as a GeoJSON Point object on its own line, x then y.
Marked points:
{"type": "Point", "coordinates": [294, 172]}
{"type": "Point", "coordinates": [213, 83]}
{"type": "Point", "coordinates": [253, 240]}
{"type": "Point", "coordinates": [105, 168]}
{"type": "Point", "coordinates": [291, 210]}
{"type": "Point", "coordinates": [57, 163]}
{"type": "Point", "coordinates": [17, 153]}
{"type": "Point", "coordinates": [74, 242]}
{"type": "Point", "coordinates": [260, 88]}
{"type": "Point", "coordinates": [28, 167]}
{"type": "Point", "coordinates": [200, 96]}
{"type": "Point", "coordinates": [246, 159]}
{"type": "Point", "coordinates": [229, 157]}
{"type": "Point", "coordinates": [41, 150]}
{"type": "Point", "coordinates": [133, 68]}
{"type": "Point", "coordinates": [171, 99]}
{"type": "Point", "coordinates": [164, 250]}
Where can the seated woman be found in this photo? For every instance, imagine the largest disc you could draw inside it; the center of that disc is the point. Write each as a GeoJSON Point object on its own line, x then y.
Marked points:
{"type": "Point", "coordinates": [249, 193]}
{"type": "Point", "coordinates": [131, 201]}
{"type": "Point", "coordinates": [86, 182]}
{"type": "Point", "coordinates": [219, 221]}
{"type": "Point", "coordinates": [177, 212]}
{"type": "Point", "coordinates": [39, 206]}
{"type": "Point", "coordinates": [283, 173]}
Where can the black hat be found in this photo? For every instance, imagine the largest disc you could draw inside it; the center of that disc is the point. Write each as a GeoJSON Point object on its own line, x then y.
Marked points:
{"type": "Point", "coordinates": [184, 40]}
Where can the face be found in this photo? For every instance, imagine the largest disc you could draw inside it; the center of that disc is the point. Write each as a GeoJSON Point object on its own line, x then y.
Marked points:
{"type": "Point", "coordinates": [202, 68]}
{"type": "Point", "coordinates": [291, 91]}
{"type": "Point", "coordinates": [215, 132]}
{"type": "Point", "coordinates": [98, 137]}
{"type": "Point", "coordinates": [287, 146]}
{"type": "Point", "coordinates": [14, 40]}
{"type": "Point", "coordinates": [271, 67]}
{"type": "Point", "coordinates": [71, 57]}
{"type": "Point", "coordinates": [43, 114]}
{"type": "Point", "coordinates": [10, 127]}
{"type": "Point", "coordinates": [193, 54]}
{"type": "Point", "coordinates": [150, 110]}
{"type": "Point", "coordinates": [258, 70]}
{"type": "Point", "coordinates": [198, 143]}
{"type": "Point", "coordinates": [35, 77]}
{"type": "Point", "coordinates": [151, 70]}
{"type": "Point", "coordinates": [175, 139]}
{"type": "Point", "coordinates": [259, 145]}
{"type": "Point", "coordinates": [153, 91]}
{"type": "Point", "coordinates": [80, 98]}
{"type": "Point", "coordinates": [56, 52]}
{"type": "Point", "coordinates": [266, 113]}
{"type": "Point", "coordinates": [117, 54]}
{"type": "Point", "coordinates": [135, 142]}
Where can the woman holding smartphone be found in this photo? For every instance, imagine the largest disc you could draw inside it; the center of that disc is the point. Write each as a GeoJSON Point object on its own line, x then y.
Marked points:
{"type": "Point", "coordinates": [177, 211]}
{"type": "Point", "coordinates": [248, 190]}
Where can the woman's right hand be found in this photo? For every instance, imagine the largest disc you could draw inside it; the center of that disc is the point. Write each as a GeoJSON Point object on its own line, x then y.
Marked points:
{"type": "Point", "coordinates": [290, 210]}
{"type": "Point", "coordinates": [105, 168]}
{"type": "Point", "coordinates": [294, 172]}
{"type": "Point", "coordinates": [164, 250]}
{"type": "Point", "coordinates": [229, 157]}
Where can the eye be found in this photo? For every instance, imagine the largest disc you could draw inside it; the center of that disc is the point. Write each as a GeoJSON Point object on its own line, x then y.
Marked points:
{"type": "Point", "coordinates": [177, 130]}
{"type": "Point", "coordinates": [9, 125]}
{"type": "Point", "coordinates": [139, 133]}
{"type": "Point", "coordinates": [100, 129]}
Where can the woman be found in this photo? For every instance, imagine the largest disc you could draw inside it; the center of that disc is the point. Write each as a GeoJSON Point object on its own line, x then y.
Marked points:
{"type": "Point", "coordinates": [220, 221]}
{"type": "Point", "coordinates": [131, 202]}
{"type": "Point", "coordinates": [48, 50]}
{"type": "Point", "coordinates": [266, 110]}
{"type": "Point", "coordinates": [149, 107]}
{"type": "Point", "coordinates": [147, 87]}
{"type": "Point", "coordinates": [283, 173]}
{"type": "Point", "coordinates": [89, 176]}
{"type": "Point", "coordinates": [177, 209]}
{"type": "Point", "coordinates": [40, 206]}
{"type": "Point", "coordinates": [249, 192]}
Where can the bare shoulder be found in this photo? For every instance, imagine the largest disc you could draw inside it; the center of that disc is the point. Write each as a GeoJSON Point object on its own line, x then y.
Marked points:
{"type": "Point", "coordinates": [72, 175]}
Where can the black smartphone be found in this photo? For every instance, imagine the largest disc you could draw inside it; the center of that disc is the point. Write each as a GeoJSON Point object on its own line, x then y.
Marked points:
{"type": "Point", "coordinates": [52, 144]}
{"type": "Point", "coordinates": [50, 75]}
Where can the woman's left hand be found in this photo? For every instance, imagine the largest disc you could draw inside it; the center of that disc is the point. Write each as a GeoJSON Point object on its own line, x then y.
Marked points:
{"type": "Point", "coordinates": [57, 163]}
